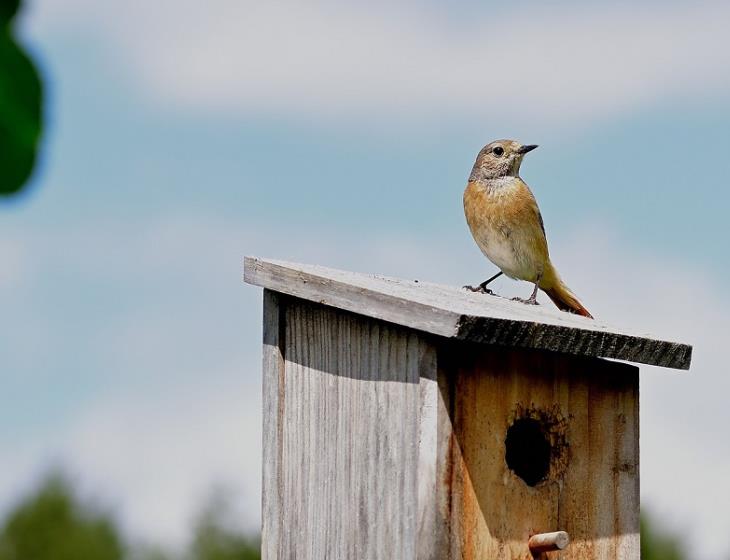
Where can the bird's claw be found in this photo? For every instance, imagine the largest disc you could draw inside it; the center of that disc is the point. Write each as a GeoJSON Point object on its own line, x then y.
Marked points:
{"type": "Point", "coordinates": [529, 301]}
{"type": "Point", "coordinates": [479, 290]}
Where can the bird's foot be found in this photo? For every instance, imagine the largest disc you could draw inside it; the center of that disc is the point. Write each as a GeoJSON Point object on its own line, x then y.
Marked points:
{"type": "Point", "coordinates": [528, 301]}
{"type": "Point", "coordinates": [479, 289]}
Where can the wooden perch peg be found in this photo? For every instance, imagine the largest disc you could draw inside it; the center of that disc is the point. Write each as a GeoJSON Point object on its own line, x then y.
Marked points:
{"type": "Point", "coordinates": [548, 542]}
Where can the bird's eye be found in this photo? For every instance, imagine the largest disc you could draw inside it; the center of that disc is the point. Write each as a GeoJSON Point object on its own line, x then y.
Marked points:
{"type": "Point", "coordinates": [498, 151]}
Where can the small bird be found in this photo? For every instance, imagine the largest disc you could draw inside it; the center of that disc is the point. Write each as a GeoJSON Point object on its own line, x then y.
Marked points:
{"type": "Point", "coordinates": [505, 221]}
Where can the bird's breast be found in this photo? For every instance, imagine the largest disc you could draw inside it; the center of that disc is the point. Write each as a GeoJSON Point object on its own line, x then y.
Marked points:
{"type": "Point", "coordinates": [501, 222]}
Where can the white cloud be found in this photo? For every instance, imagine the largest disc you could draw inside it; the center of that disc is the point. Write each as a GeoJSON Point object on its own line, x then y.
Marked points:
{"type": "Point", "coordinates": [540, 64]}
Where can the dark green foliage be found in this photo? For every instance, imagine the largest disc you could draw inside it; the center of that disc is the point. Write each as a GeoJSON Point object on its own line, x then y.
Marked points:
{"type": "Point", "coordinates": [147, 552]}
{"type": "Point", "coordinates": [215, 540]}
{"type": "Point", "coordinates": [51, 525]}
{"type": "Point", "coordinates": [8, 8]}
{"type": "Point", "coordinates": [215, 543]}
{"type": "Point", "coordinates": [657, 544]}
{"type": "Point", "coordinates": [20, 106]}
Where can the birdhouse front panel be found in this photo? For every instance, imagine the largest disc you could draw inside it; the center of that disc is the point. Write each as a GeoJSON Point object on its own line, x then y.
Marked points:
{"type": "Point", "coordinates": [539, 442]}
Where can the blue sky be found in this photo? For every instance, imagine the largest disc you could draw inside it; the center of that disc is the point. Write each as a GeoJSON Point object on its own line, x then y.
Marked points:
{"type": "Point", "coordinates": [181, 137]}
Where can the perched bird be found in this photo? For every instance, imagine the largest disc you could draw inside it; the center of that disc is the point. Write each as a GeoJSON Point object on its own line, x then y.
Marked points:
{"type": "Point", "coordinates": [505, 221]}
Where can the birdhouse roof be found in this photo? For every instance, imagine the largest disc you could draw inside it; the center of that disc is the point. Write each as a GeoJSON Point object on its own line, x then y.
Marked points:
{"type": "Point", "coordinates": [455, 313]}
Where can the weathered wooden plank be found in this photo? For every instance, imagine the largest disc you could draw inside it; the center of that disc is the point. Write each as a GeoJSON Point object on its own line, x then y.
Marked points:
{"type": "Point", "coordinates": [352, 292]}
{"type": "Point", "coordinates": [455, 313]}
{"type": "Point", "coordinates": [430, 525]}
{"type": "Point", "coordinates": [273, 371]}
{"type": "Point", "coordinates": [587, 411]}
{"type": "Point", "coordinates": [349, 428]}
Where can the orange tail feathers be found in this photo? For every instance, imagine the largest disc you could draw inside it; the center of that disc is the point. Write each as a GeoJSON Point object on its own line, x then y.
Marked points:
{"type": "Point", "coordinates": [561, 295]}
{"type": "Point", "coordinates": [565, 300]}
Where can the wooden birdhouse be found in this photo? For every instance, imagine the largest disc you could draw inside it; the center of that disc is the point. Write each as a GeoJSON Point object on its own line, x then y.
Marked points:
{"type": "Point", "coordinates": [406, 420]}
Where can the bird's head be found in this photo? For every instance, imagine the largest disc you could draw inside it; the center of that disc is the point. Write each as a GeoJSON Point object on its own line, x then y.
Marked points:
{"type": "Point", "coordinates": [501, 158]}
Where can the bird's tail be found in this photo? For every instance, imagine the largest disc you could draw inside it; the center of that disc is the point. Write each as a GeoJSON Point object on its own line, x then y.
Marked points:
{"type": "Point", "coordinates": [561, 295]}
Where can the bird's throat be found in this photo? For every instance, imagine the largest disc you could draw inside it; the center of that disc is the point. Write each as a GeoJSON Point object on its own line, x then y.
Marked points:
{"type": "Point", "coordinates": [500, 185]}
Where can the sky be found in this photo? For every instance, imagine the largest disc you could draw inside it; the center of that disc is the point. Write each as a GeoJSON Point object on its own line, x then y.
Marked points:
{"type": "Point", "coordinates": [183, 135]}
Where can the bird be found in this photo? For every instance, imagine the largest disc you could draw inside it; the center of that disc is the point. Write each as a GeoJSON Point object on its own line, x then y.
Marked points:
{"type": "Point", "coordinates": [505, 221]}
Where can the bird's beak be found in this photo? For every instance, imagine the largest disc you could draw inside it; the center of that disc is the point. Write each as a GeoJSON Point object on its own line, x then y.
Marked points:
{"type": "Point", "coordinates": [526, 148]}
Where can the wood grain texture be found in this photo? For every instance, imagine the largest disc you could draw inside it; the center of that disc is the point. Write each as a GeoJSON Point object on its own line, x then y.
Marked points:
{"type": "Point", "coordinates": [384, 442]}
{"type": "Point", "coordinates": [455, 313]}
{"type": "Point", "coordinates": [273, 371]}
{"type": "Point", "coordinates": [428, 521]}
{"type": "Point", "coordinates": [589, 409]}
{"type": "Point", "coordinates": [349, 414]}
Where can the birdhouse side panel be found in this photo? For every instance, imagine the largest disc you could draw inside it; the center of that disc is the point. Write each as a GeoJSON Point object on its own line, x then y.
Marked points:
{"type": "Point", "coordinates": [344, 411]}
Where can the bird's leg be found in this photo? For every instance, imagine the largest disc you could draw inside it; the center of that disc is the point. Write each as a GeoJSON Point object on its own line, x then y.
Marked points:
{"type": "Point", "coordinates": [532, 300]}
{"type": "Point", "coordinates": [482, 288]}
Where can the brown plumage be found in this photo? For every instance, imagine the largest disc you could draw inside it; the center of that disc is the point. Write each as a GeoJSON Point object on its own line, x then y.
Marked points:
{"type": "Point", "coordinates": [505, 221]}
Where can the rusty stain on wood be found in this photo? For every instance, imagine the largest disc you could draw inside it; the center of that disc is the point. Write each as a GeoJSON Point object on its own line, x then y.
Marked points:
{"type": "Point", "coordinates": [591, 490]}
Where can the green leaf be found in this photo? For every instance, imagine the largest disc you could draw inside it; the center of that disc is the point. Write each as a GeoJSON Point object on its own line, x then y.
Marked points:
{"type": "Point", "coordinates": [8, 9]}
{"type": "Point", "coordinates": [20, 107]}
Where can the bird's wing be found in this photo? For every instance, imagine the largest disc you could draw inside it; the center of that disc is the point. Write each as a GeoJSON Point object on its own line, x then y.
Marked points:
{"type": "Point", "coordinates": [539, 219]}
{"type": "Point", "coordinates": [532, 219]}
{"type": "Point", "coordinates": [529, 204]}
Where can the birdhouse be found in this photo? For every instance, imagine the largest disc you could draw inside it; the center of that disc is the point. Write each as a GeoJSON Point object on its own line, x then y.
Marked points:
{"type": "Point", "coordinates": [406, 420]}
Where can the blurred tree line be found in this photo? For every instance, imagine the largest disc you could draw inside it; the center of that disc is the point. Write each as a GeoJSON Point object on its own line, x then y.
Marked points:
{"type": "Point", "coordinates": [53, 524]}
{"type": "Point", "coordinates": [659, 544]}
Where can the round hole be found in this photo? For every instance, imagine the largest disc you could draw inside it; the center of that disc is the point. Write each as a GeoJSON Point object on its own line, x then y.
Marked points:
{"type": "Point", "coordinates": [528, 450]}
